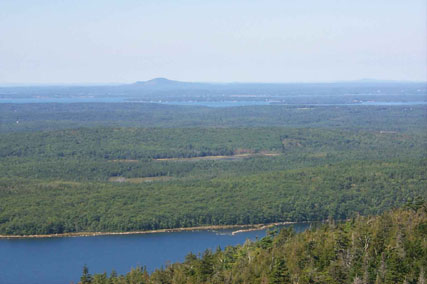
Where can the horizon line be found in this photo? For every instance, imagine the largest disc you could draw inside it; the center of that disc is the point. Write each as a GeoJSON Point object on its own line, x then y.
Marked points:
{"type": "Point", "coordinates": [94, 84]}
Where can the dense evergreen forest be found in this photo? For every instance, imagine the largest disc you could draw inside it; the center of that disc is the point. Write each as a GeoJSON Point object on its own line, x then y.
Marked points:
{"type": "Point", "coordinates": [69, 168]}
{"type": "Point", "coordinates": [128, 179]}
{"type": "Point", "coordinates": [55, 116]}
{"type": "Point", "coordinates": [390, 248]}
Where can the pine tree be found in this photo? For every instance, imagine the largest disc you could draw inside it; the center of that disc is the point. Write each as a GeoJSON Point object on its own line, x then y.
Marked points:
{"type": "Point", "coordinates": [279, 273]}
{"type": "Point", "coordinates": [86, 277]}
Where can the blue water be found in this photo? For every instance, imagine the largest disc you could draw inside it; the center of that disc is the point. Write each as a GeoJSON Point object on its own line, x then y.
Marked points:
{"type": "Point", "coordinates": [214, 104]}
{"type": "Point", "coordinates": [220, 103]}
{"type": "Point", "coordinates": [258, 103]}
{"type": "Point", "coordinates": [128, 100]}
{"type": "Point", "coordinates": [63, 100]}
{"type": "Point", "coordinates": [368, 103]}
{"type": "Point", "coordinates": [393, 103]}
{"type": "Point", "coordinates": [60, 260]}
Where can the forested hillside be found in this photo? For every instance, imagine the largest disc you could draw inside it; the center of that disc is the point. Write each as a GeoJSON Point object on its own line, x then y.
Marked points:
{"type": "Point", "coordinates": [129, 179]}
{"type": "Point", "coordinates": [102, 153]}
{"type": "Point", "coordinates": [390, 248]}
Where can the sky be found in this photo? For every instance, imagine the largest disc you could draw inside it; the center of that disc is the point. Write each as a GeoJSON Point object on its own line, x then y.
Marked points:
{"type": "Point", "coordinates": [120, 41]}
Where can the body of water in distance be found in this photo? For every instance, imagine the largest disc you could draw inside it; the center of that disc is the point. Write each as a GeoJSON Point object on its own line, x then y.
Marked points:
{"type": "Point", "coordinates": [214, 104]}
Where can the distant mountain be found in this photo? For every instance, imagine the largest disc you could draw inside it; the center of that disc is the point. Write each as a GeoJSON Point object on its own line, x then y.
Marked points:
{"type": "Point", "coordinates": [158, 82]}
{"type": "Point", "coordinates": [158, 87]}
{"type": "Point", "coordinates": [163, 83]}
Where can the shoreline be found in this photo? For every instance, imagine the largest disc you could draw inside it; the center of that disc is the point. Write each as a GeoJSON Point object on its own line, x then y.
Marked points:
{"type": "Point", "coordinates": [259, 227]}
{"type": "Point", "coordinates": [242, 229]}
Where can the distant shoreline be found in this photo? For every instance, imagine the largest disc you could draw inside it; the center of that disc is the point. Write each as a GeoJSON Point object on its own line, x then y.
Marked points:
{"type": "Point", "coordinates": [242, 229]}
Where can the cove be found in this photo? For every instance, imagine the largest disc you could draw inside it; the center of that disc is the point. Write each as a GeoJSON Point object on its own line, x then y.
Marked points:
{"type": "Point", "coordinates": [60, 260]}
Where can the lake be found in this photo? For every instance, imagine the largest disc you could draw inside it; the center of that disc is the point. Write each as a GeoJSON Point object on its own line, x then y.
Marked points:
{"type": "Point", "coordinates": [60, 260]}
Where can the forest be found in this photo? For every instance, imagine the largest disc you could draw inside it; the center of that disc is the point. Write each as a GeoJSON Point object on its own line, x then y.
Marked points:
{"type": "Point", "coordinates": [57, 116]}
{"type": "Point", "coordinates": [107, 179]}
{"type": "Point", "coordinates": [390, 248]}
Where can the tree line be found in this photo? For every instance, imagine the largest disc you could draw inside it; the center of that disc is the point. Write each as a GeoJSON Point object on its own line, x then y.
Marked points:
{"type": "Point", "coordinates": [390, 248]}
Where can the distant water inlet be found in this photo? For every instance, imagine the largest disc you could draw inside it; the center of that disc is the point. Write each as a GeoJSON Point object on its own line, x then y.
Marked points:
{"type": "Point", "coordinates": [212, 104]}
{"type": "Point", "coordinates": [60, 260]}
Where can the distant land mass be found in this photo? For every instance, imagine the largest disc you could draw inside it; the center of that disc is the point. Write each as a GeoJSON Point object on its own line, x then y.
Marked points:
{"type": "Point", "coordinates": [165, 82]}
{"type": "Point", "coordinates": [158, 82]}
{"type": "Point", "coordinates": [162, 82]}
{"type": "Point", "coordinates": [163, 89]}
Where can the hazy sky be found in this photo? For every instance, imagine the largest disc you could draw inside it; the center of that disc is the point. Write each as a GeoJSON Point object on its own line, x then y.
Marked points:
{"type": "Point", "coordinates": [83, 41]}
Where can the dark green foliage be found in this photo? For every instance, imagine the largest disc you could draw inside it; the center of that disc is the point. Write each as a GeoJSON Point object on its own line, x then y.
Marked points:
{"type": "Point", "coordinates": [363, 250]}
{"type": "Point", "coordinates": [86, 276]}
{"type": "Point", "coordinates": [34, 117]}
{"type": "Point", "coordinates": [101, 153]}
{"type": "Point", "coordinates": [315, 193]}
{"type": "Point", "coordinates": [58, 182]}
{"type": "Point", "coordinates": [280, 272]}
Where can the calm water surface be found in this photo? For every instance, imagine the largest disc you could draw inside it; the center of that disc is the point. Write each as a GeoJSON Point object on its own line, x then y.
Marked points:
{"type": "Point", "coordinates": [60, 260]}
{"type": "Point", "coordinates": [214, 104]}
{"type": "Point", "coordinates": [63, 100]}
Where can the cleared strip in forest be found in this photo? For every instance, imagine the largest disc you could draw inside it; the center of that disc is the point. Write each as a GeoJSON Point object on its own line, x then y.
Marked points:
{"type": "Point", "coordinates": [139, 180]}
{"type": "Point", "coordinates": [232, 157]}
